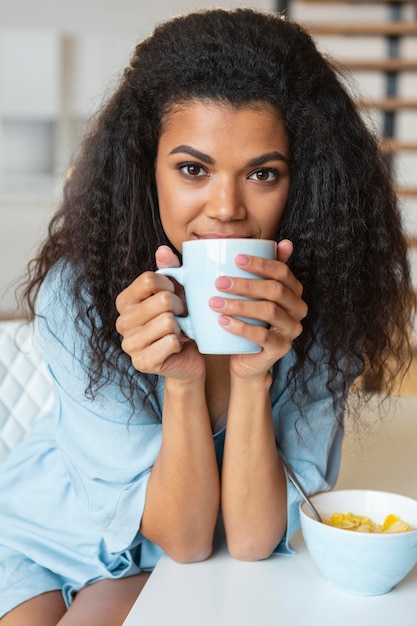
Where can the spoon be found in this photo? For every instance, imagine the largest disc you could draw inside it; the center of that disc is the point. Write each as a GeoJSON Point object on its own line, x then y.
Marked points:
{"type": "Point", "coordinates": [301, 491]}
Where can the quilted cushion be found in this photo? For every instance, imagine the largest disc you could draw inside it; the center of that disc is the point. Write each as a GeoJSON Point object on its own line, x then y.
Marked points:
{"type": "Point", "coordinates": [25, 384]}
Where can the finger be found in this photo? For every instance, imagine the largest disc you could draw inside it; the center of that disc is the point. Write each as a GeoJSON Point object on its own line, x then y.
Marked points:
{"type": "Point", "coordinates": [270, 269]}
{"type": "Point", "coordinates": [134, 317]}
{"type": "Point", "coordinates": [165, 257]}
{"type": "Point", "coordinates": [273, 315]}
{"type": "Point", "coordinates": [273, 344]}
{"type": "Point", "coordinates": [153, 359]}
{"type": "Point", "coordinates": [272, 291]}
{"type": "Point", "coordinates": [140, 338]}
{"type": "Point", "coordinates": [144, 286]}
{"type": "Point", "coordinates": [284, 250]}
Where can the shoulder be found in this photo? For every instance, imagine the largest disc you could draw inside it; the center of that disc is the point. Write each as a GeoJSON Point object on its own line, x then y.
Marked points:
{"type": "Point", "coordinates": [64, 332]}
{"type": "Point", "coordinates": [63, 345]}
{"type": "Point", "coordinates": [57, 310]}
{"type": "Point", "coordinates": [55, 296]}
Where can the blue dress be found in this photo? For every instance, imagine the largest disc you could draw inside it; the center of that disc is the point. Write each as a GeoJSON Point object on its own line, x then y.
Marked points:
{"type": "Point", "coordinates": [72, 493]}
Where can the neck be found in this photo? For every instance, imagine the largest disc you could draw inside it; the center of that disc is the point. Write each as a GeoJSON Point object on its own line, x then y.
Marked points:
{"type": "Point", "coordinates": [217, 385]}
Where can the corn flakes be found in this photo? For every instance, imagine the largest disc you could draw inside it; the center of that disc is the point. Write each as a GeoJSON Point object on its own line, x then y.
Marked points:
{"type": "Point", "coordinates": [363, 524]}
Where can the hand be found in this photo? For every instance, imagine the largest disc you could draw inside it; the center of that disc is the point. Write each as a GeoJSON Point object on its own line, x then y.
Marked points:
{"type": "Point", "coordinates": [283, 309]}
{"type": "Point", "coordinates": [151, 335]}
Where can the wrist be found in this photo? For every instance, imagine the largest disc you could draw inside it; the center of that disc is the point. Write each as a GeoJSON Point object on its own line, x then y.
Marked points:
{"type": "Point", "coordinates": [181, 386]}
{"type": "Point", "coordinates": [258, 382]}
{"type": "Point", "coordinates": [185, 403]}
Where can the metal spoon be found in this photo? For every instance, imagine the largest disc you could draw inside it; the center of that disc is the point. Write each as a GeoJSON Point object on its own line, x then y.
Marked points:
{"type": "Point", "coordinates": [301, 491]}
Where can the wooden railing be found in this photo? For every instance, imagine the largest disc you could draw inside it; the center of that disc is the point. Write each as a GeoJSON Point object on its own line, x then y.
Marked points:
{"type": "Point", "coordinates": [360, 1]}
{"type": "Point", "coordinates": [401, 22]}
{"type": "Point", "coordinates": [394, 29]}
{"type": "Point", "coordinates": [384, 29]}
{"type": "Point", "coordinates": [391, 65]}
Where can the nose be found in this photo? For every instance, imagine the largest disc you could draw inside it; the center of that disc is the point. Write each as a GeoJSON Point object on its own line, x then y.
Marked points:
{"type": "Point", "coordinates": [225, 201]}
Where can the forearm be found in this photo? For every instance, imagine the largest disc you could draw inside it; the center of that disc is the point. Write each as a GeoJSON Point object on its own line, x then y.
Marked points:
{"type": "Point", "coordinates": [254, 499]}
{"type": "Point", "coordinates": [183, 494]}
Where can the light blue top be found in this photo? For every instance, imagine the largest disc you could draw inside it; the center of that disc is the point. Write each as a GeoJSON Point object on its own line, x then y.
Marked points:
{"type": "Point", "coordinates": [73, 492]}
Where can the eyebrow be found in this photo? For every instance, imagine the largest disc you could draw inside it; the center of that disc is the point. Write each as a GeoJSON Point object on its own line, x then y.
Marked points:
{"type": "Point", "coordinates": [274, 155]}
{"type": "Point", "coordinates": [268, 156]}
{"type": "Point", "coordinates": [194, 153]}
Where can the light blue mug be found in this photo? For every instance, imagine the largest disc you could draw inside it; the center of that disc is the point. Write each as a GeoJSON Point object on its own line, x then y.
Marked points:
{"type": "Point", "coordinates": [204, 260]}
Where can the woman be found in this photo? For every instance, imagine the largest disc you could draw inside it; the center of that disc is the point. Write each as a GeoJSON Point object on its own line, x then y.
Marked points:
{"type": "Point", "coordinates": [225, 124]}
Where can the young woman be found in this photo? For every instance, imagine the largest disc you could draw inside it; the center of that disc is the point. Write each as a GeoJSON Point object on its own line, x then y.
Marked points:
{"type": "Point", "coordinates": [225, 124]}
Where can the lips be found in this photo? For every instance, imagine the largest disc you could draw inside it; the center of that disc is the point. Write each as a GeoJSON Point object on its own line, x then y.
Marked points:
{"type": "Point", "coordinates": [222, 236]}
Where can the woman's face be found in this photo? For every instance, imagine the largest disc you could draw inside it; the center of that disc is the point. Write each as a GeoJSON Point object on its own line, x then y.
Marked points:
{"type": "Point", "coordinates": [222, 172]}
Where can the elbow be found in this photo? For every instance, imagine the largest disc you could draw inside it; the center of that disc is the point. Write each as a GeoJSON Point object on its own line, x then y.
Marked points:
{"type": "Point", "coordinates": [250, 555]}
{"type": "Point", "coordinates": [246, 551]}
{"type": "Point", "coordinates": [189, 553]}
{"type": "Point", "coordinates": [253, 546]}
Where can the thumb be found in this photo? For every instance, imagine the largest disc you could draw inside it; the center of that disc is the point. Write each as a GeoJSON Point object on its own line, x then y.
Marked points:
{"type": "Point", "coordinates": [284, 250]}
{"type": "Point", "coordinates": [166, 258]}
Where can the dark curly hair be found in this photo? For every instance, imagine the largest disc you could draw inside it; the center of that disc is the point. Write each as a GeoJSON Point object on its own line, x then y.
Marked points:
{"type": "Point", "coordinates": [342, 216]}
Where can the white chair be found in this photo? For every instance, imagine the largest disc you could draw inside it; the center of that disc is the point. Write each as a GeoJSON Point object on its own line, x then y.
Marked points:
{"type": "Point", "coordinates": [25, 384]}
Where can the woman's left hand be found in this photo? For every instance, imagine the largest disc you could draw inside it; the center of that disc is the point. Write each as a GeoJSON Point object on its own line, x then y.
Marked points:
{"type": "Point", "coordinates": [276, 300]}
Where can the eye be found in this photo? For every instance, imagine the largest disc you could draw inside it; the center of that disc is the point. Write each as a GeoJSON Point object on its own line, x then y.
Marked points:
{"type": "Point", "coordinates": [265, 175]}
{"type": "Point", "coordinates": [192, 169]}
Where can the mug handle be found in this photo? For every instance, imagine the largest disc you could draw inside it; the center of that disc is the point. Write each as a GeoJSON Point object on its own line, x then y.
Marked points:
{"type": "Point", "coordinates": [184, 322]}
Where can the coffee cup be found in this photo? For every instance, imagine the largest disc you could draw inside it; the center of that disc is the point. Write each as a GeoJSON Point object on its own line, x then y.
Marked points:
{"type": "Point", "coordinates": [203, 261]}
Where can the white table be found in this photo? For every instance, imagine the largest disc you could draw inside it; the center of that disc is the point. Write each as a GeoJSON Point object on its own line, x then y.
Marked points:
{"type": "Point", "coordinates": [281, 591]}
{"type": "Point", "coordinates": [289, 590]}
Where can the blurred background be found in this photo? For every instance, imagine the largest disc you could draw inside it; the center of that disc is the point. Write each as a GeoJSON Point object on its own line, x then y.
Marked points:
{"type": "Point", "coordinates": [58, 61]}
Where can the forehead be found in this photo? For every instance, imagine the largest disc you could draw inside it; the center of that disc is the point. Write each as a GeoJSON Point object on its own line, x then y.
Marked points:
{"type": "Point", "coordinates": [214, 107]}
{"type": "Point", "coordinates": [255, 123]}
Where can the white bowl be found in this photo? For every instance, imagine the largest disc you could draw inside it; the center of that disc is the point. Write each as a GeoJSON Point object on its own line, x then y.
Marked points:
{"type": "Point", "coordinates": [366, 564]}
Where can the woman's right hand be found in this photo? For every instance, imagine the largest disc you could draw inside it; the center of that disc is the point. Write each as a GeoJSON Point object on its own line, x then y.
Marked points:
{"type": "Point", "coordinates": [183, 493]}
{"type": "Point", "coordinates": [151, 335]}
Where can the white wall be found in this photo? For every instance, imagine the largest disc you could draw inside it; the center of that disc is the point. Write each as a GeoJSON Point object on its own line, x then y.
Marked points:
{"type": "Point", "coordinates": [136, 17]}
{"type": "Point", "coordinates": [57, 60]}
{"type": "Point", "coordinates": [381, 454]}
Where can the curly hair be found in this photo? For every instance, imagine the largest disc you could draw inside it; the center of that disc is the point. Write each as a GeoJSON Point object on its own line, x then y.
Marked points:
{"type": "Point", "coordinates": [342, 216]}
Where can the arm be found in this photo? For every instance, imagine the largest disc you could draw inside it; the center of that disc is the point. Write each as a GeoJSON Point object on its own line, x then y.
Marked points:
{"type": "Point", "coordinates": [110, 452]}
{"type": "Point", "coordinates": [311, 443]}
{"type": "Point", "coordinates": [182, 499]}
{"type": "Point", "coordinates": [107, 450]}
{"type": "Point", "coordinates": [254, 494]}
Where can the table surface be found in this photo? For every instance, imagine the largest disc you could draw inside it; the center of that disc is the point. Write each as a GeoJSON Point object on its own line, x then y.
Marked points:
{"type": "Point", "coordinates": [281, 591]}
{"type": "Point", "coordinates": [289, 590]}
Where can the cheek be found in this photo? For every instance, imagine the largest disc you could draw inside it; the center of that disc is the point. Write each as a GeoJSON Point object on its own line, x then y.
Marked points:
{"type": "Point", "coordinates": [271, 216]}
{"type": "Point", "coordinates": [176, 211]}
{"type": "Point", "coordinates": [179, 204]}
{"type": "Point", "coordinates": [166, 198]}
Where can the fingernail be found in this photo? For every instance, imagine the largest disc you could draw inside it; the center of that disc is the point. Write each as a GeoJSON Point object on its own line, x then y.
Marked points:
{"type": "Point", "coordinates": [216, 302]}
{"type": "Point", "coordinates": [242, 259]}
{"type": "Point", "coordinates": [223, 282]}
{"type": "Point", "coordinates": [224, 320]}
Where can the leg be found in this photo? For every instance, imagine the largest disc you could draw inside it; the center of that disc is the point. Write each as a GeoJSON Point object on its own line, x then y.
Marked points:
{"type": "Point", "coordinates": [44, 610]}
{"type": "Point", "coordinates": [104, 603]}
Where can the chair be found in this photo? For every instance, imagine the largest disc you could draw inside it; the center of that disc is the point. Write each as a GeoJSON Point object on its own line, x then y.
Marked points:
{"type": "Point", "coordinates": [26, 390]}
